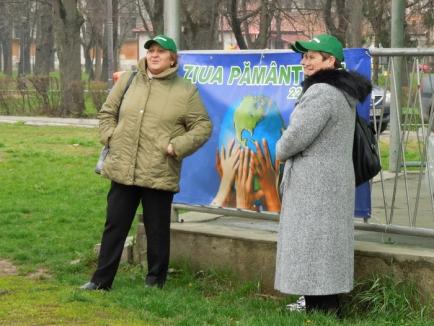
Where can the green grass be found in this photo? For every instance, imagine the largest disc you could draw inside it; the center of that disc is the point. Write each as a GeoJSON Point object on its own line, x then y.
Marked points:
{"type": "Point", "coordinates": [52, 208]}
{"type": "Point", "coordinates": [412, 153]}
{"type": "Point", "coordinates": [29, 302]}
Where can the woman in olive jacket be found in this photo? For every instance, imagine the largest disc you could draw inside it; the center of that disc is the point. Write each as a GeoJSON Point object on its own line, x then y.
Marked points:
{"type": "Point", "coordinates": [160, 121]}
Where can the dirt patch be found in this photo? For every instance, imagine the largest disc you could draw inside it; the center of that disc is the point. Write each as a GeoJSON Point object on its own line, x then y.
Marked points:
{"type": "Point", "coordinates": [7, 268]}
{"type": "Point", "coordinates": [39, 274]}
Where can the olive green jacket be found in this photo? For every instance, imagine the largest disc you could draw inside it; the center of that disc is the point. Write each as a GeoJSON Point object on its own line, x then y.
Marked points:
{"type": "Point", "coordinates": [154, 112]}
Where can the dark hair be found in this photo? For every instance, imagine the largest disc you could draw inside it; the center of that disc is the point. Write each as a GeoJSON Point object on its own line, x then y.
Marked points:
{"type": "Point", "coordinates": [325, 56]}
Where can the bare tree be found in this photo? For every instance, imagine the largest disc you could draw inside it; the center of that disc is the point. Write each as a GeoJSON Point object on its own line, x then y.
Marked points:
{"type": "Point", "coordinates": [251, 21]}
{"type": "Point", "coordinates": [354, 34]}
{"type": "Point", "coordinates": [377, 12]}
{"type": "Point", "coordinates": [25, 23]}
{"type": "Point", "coordinates": [151, 13]}
{"type": "Point", "coordinates": [306, 16]}
{"type": "Point", "coordinates": [200, 24]}
{"type": "Point", "coordinates": [67, 24]}
{"type": "Point", "coordinates": [235, 21]}
{"type": "Point", "coordinates": [124, 20]}
{"type": "Point", "coordinates": [421, 9]}
{"type": "Point", "coordinates": [92, 32]}
{"type": "Point", "coordinates": [6, 36]}
{"type": "Point", "coordinates": [44, 54]}
{"type": "Point", "coordinates": [94, 37]}
{"type": "Point", "coordinates": [336, 18]}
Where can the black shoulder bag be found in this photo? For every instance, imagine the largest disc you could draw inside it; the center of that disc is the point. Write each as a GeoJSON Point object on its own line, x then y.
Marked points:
{"type": "Point", "coordinates": [105, 150]}
{"type": "Point", "coordinates": [365, 157]}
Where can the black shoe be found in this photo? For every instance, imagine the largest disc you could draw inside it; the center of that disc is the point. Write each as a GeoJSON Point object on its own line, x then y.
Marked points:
{"type": "Point", "coordinates": [153, 282]}
{"type": "Point", "coordinates": [154, 285]}
{"type": "Point", "coordinates": [90, 286]}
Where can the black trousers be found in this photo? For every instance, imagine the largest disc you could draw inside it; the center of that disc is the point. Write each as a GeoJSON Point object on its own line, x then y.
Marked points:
{"type": "Point", "coordinates": [122, 203]}
{"type": "Point", "coordinates": [322, 303]}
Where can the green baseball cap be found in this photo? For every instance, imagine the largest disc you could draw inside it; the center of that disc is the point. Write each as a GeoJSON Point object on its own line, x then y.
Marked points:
{"type": "Point", "coordinates": [162, 40]}
{"type": "Point", "coordinates": [322, 43]}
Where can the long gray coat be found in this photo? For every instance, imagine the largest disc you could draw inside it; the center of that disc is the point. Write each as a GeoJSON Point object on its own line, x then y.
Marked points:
{"type": "Point", "coordinates": [315, 245]}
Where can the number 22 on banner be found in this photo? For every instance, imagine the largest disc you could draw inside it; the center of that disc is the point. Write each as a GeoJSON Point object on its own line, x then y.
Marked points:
{"type": "Point", "coordinates": [294, 92]}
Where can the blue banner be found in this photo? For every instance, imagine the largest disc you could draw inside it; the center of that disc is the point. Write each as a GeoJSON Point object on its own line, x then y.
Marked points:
{"type": "Point", "coordinates": [249, 97]}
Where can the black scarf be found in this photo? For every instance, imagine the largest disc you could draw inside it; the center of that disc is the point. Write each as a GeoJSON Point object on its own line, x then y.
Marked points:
{"type": "Point", "coordinates": [350, 82]}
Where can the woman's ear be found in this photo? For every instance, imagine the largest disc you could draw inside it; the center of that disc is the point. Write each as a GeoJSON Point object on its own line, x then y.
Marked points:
{"type": "Point", "coordinates": [332, 60]}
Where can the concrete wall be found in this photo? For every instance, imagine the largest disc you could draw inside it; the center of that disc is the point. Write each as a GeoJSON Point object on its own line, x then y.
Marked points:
{"type": "Point", "coordinates": [251, 255]}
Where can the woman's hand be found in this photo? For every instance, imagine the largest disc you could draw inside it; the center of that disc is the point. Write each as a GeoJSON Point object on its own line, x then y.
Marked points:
{"type": "Point", "coordinates": [268, 176]}
{"type": "Point", "coordinates": [171, 150]}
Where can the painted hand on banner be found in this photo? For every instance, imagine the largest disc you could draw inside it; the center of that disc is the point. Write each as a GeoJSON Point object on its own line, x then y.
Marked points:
{"type": "Point", "coordinates": [226, 166]}
{"type": "Point", "coordinates": [268, 176]}
{"type": "Point", "coordinates": [244, 181]}
{"type": "Point", "coordinates": [237, 167]}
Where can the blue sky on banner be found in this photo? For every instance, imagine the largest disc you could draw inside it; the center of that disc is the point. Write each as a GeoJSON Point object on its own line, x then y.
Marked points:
{"type": "Point", "coordinates": [225, 81]}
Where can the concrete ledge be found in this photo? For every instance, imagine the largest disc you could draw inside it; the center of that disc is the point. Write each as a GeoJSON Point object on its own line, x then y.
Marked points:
{"type": "Point", "coordinates": [250, 252]}
{"type": "Point", "coordinates": [226, 249]}
{"type": "Point", "coordinates": [401, 262]}
{"type": "Point", "coordinates": [127, 252]}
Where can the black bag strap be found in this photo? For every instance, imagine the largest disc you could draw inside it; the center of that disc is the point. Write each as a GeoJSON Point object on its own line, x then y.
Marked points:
{"type": "Point", "coordinates": [130, 80]}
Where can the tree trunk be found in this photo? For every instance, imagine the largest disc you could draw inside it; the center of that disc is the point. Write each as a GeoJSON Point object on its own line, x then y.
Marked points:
{"type": "Point", "coordinates": [88, 62]}
{"type": "Point", "coordinates": [354, 35]}
{"type": "Point", "coordinates": [88, 43]}
{"type": "Point", "coordinates": [376, 13]}
{"type": "Point", "coordinates": [98, 62]}
{"type": "Point", "coordinates": [279, 42]}
{"type": "Point", "coordinates": [245, 17]}
{"type": "Point", "coordinates": [155, 11]}
{"type": "Point", "coordinates": [116, 44]}
{"type": "Point", "coordinates": [6, 37]}
{"type": "Point", "coordinates": [232, 8]}
{"type": "Point", "coordinates": [104, 66]}
{"type": "Point", "coordinates": [336, 20]}
{"type": "Point", "coordinates": [7, 52]}
{"type": "Point", "coordinates": [44, 56]}
{"type": "Point", "coordinates": [199, 20]}
{"type": "Point", "coordinates": [266, 14]}
{"type": "Point", "coordinates": [67, 23]}
{"type": "Point", "coordinates": [24, 67]}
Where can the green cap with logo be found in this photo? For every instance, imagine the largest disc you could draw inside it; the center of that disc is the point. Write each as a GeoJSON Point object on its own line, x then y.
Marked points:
{"type": "Point", "coordinates": [162, 40]}
{"type": "Point", "coordinates": [321, 43]}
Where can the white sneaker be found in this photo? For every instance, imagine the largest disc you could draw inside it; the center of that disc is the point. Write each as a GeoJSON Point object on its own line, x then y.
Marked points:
{"type": "Point", "coordinates": [299, 305]}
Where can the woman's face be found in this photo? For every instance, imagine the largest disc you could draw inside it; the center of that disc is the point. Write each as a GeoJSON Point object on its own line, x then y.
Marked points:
{"type": "Point", "coordinates": [313, 61]}
{"type": "Point", "coordinates": [158, 59]}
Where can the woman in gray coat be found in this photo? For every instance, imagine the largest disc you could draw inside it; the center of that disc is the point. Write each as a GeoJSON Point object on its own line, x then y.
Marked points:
{"type": "Point", "coordinates": [315, 245]}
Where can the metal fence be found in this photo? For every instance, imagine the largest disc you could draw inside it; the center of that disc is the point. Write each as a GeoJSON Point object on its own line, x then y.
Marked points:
{"type": "Point", "coordinates": [41, 95]}
{"type": "Point", "coordinates": [403, 197]}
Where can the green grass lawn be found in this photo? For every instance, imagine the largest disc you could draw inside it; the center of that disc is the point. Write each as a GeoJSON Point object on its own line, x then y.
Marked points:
{"type": "Point", "coordinates": [52, 208]}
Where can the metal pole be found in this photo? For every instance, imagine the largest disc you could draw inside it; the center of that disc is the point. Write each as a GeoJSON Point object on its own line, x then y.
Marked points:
{"type": "Point", "coordinates": [220, 211]}
{"type": "Point", "coordinates": [397, 41]}
{"type": "Point", "coordinates": [401, 52]}
{"type": "Point", "coordinates": [109, 25]}
{"type": "Point", "coordinates": [171, 20]}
